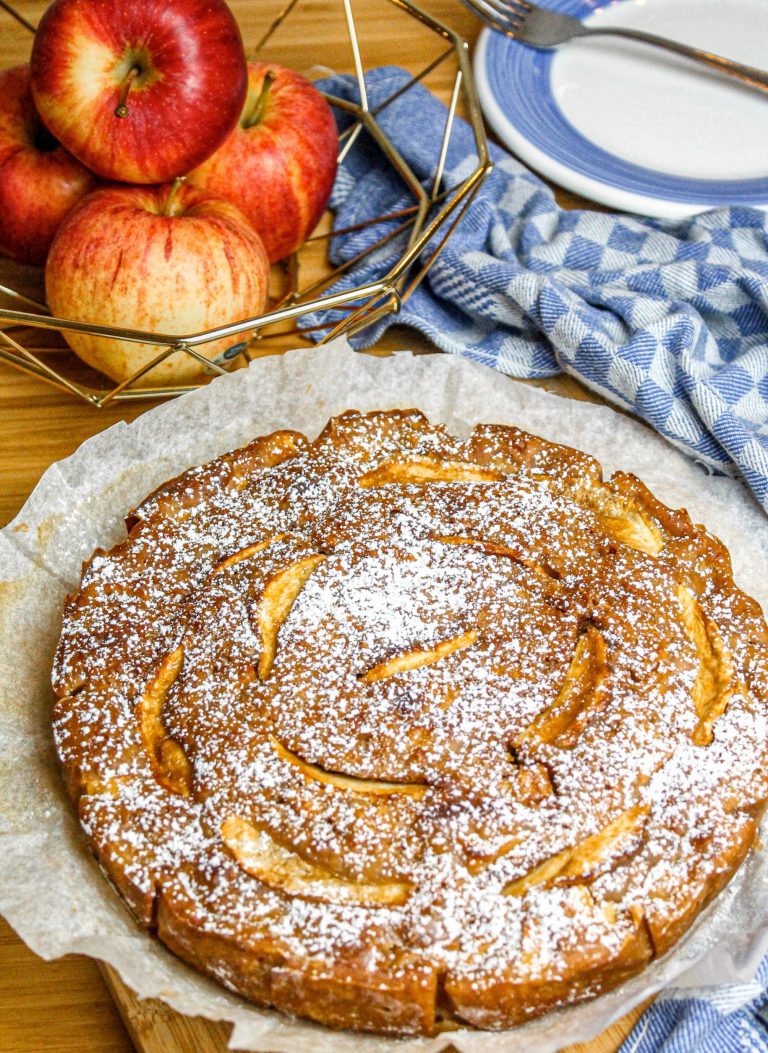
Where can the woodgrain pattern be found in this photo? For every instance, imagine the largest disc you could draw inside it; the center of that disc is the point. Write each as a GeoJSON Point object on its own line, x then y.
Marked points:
{"type": "Point", "coordinates": [61, 1005]}
{"type": "Point", "coordinates": [155, 1028]}
{"type": "Point", "coordinates": [65, 1005]}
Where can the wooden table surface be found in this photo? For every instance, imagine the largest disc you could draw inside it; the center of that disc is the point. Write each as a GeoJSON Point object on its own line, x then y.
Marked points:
{"type": "Point", "coordinates": [66, 1005]}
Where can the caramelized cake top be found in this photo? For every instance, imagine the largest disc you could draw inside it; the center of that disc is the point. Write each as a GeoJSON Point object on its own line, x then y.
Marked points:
{"type": "Point", "coordinates": [402, 732]}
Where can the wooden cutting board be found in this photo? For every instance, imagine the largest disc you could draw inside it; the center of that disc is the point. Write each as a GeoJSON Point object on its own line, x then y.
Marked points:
{"type": "Point", "coordinates": [62, 1006]}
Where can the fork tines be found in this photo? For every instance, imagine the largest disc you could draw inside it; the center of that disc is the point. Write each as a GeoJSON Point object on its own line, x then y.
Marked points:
{"type": "Point", "coordinates": [508, 16]}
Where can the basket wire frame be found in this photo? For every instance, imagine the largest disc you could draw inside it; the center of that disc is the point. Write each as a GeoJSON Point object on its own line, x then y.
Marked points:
{"type": "Point", "coordinates": [430, 221]}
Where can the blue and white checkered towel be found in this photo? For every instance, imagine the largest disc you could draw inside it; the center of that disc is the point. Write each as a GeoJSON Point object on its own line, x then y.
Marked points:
{"type": "Point", "coordinates": [705, 1020]}
{"type": "Point", "coordinates": [668, 320]}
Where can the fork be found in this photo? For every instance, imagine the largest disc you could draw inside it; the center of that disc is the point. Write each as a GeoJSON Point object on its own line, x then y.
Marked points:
{"type": "Point", "coordinates": [542, 28]}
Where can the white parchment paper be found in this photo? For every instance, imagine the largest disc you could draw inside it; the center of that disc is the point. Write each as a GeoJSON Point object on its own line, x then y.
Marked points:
{"type": "Point", "coordinates": [52, 891]}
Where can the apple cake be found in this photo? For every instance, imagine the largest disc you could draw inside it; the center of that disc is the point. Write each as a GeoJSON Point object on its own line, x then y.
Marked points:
{"type": "Point", "coordinates": [402, 732]}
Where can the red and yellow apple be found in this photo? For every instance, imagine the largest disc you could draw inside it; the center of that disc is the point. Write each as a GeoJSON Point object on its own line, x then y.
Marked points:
{"type": "Point", "coordinates": [279, 163]}
{"type": "Point", "coordinates": [172, 259]}
{"type": "Point", "coordinates": [141, 91]}
{"type": "Point", "coordinates": [39, 181]}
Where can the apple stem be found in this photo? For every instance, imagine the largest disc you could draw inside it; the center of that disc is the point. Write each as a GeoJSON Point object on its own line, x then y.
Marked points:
{"type": "Point", "coordinates": [258, 107]}
{"type": "Point", "coordinates": [122, 108]}
{"type": "Point", "coordinates": [168, 206]}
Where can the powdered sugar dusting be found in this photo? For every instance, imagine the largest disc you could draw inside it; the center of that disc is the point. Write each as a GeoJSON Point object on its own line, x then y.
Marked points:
{"type": "Point", "coordinates": [526, 563]}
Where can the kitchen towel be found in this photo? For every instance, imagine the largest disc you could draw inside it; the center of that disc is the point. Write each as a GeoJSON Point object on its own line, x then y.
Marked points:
{"type": "Point", "coordinates": [667, 320]}
{"type": "Point", "coordinates": [705, 1020]}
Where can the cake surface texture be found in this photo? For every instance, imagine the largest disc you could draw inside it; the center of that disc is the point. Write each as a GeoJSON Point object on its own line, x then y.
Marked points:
{"type": "Point", "coordinates": [401, 732]}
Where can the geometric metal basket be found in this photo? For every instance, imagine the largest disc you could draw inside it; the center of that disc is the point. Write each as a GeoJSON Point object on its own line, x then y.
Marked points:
{"type": "Point", "coordinates": [429, 220]}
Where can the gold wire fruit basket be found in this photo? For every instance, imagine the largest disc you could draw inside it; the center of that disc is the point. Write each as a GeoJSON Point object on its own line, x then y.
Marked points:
{"type": "Point", "coordinates": [31, 338]}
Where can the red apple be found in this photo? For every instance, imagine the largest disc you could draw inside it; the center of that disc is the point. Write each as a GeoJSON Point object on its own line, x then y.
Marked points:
{"type": "Point", "coordinates": [140, 91]}
{"type": "Point", "coordinates": [39, 181]}
{"type": "Point", "coordinates": [172, 259]}
{"type": "Point", "coordinates": [279, 163]}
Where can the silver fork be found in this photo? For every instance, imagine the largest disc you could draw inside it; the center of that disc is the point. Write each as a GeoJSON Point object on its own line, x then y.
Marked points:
{"type": "Point", "coordinates": [541, 28]}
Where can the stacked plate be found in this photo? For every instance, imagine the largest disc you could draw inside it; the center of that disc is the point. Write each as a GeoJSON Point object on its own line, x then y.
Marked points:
{"type": "Point", "coordinates": [630, 125]}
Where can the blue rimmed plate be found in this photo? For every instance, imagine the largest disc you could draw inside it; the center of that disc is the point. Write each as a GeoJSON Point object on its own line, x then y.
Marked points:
{"type": "Point", "coordinates": [630, 125]}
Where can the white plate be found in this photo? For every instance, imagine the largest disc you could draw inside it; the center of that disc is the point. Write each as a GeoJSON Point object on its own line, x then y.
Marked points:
{"type": "Point", "coordinates": [630, 125]}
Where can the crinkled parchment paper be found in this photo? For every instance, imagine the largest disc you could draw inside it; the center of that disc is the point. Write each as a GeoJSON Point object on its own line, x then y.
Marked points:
{"type": "Point", "coordinates": [52, 891]}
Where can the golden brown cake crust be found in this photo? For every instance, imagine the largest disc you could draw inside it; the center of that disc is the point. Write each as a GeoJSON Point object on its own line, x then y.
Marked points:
{"type": "Point", "coordinates": [402, 732]}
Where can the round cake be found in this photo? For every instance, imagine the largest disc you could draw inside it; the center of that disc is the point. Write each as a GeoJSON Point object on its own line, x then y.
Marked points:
{"type": "Point", "coordinates": [401, 732]}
